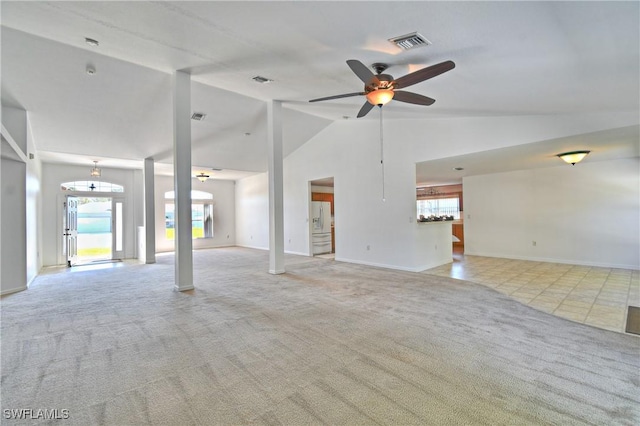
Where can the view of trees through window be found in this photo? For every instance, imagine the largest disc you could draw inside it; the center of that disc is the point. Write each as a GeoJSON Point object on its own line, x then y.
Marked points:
{"type": "Point", "coordinates": [201, 215]}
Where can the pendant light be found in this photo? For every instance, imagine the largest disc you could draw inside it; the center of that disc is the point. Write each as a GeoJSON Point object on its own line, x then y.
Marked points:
{"type": "Point", "coordinates": [95, 172]}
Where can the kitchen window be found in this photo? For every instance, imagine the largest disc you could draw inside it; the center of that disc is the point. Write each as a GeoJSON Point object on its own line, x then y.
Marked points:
{"type": "Point", "coordinates": [439, 207]}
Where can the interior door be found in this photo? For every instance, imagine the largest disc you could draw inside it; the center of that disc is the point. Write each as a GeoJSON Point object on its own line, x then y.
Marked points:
{"type": "Point", "coordinates": [117, 218]}
{"type": "Point", "coordinates": [71, 229]}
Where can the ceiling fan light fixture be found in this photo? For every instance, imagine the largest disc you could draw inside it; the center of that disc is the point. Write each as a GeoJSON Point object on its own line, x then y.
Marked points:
{"type": "Point", "coordinates": [202, 177]}
{"type": "Point", "coordinates": [380, 96]}
{"type": "Point", "coordinates": [573, 157]}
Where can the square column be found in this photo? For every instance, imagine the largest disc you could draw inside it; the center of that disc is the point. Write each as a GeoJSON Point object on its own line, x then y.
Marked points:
{"type": "Point", "coordinates": [276, 207]}
{"type": "Point", "coordinates": [149, 212]}
{"type": "Point", "coordinates": [182, 180]}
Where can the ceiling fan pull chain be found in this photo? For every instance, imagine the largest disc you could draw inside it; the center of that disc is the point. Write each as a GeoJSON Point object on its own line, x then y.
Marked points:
{"type": "Point", "coordinates": [382, 153]}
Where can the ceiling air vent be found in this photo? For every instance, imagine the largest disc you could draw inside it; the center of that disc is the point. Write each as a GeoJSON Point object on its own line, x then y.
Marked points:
{"type": "Point", "coordinates": [260, 79]}
{"type": "Point", "coordinates": [410, 41]}
{"type": "Point", "coordinates": [198, 116]}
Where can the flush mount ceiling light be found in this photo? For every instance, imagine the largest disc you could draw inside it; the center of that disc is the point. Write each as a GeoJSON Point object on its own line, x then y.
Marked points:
{"type": "Point", "coordinates": [95, 172]}
{"type": "Point", "coordinates": [573, 157]}
{"type": "Point", "coordinates": [202, 177]}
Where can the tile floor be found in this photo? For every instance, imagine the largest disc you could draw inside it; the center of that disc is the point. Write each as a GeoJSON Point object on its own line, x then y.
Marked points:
{"type": "Point", "coordinates": [591, 295]}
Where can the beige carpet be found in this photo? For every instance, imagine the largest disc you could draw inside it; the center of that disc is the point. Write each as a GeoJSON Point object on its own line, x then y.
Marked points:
{"type": "Point", "coordinates": [325, 343]}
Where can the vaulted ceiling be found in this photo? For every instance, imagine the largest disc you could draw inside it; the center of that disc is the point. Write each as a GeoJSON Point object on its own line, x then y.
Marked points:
{"type": "Point", "coordinates": [512, 58]}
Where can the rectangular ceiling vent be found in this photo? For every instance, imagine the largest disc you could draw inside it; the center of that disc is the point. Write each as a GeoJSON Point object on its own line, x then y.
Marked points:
{"type": "Point", "coordinates": [198, 116]}
{"type": "Point", "coordinates": [410, 41]}
{"type": "Point", "coordinates": [261, 79]}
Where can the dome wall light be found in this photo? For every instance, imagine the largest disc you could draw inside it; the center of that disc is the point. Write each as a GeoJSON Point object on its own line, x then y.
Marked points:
{"type": "Point", "coordinates": [380, 96]}
{"type": "Point", "coordinates": [202, 177]}
{"type": "Point", "coordinates": [573, 157]}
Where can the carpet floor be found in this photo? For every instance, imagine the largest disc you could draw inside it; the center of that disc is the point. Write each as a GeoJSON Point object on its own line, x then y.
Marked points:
{"type": "Point", "coordinates": [325, 343]}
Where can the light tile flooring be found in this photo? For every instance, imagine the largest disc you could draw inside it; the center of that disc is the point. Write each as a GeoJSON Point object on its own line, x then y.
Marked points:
{"type": "Point", "coordinates": [591, 295]}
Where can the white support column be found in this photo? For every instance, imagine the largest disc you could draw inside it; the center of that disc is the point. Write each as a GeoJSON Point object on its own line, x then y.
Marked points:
{"type": "Point", "coordinates": [276, 207]}
{"type": "Point", "coordinates": [182, 180]}
{"type": "Point", "coordinates": [149, 212]}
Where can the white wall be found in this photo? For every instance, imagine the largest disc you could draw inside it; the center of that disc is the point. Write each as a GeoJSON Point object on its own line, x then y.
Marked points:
{"type": "Point", "coordinates": [55, 174]}
{"type": "Point", "coordinates": [252, 212]}
{"type": "Point", "coordinates": [587, 214]}
{"type": "Point", "coordinates": [350, 152]}
{"type": "Point", "coordinates": [224, 219]}
{"type": "Point", "coordinates": [21, 202]}
{"type": "Point", "coordinates": [34, 213]}
{"type": "Point", "coordinates": [13, 276]}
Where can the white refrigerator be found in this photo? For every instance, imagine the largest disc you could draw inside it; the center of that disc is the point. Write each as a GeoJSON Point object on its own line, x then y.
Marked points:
{"type": "Point", "coordinates": [321, 227]}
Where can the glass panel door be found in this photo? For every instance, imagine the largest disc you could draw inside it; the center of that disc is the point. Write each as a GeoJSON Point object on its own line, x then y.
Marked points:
{"type": "Point", "coordinates": [118, 228]}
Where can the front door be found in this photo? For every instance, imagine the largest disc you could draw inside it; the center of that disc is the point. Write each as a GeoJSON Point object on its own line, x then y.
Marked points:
{"type": "Point", "coordinates": [71, 229]}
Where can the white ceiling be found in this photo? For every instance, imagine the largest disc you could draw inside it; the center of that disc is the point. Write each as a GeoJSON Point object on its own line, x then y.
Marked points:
{"type": "Point", "coordinates": [512, 58]}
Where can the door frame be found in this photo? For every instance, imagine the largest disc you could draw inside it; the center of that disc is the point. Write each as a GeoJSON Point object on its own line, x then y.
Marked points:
{"type": "Point", "coordinates": [115, 198]}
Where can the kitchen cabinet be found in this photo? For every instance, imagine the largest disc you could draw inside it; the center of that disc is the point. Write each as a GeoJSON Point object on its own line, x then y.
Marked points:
{"type": "Point", "coordinates": [458, 231]}
{"type": "Point", "coordinates": [323, 196]}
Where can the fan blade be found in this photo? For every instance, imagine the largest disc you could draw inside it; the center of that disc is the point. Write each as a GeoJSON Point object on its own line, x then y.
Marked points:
{"type": "Point", "coordinates": [424, 74]}
{"type": "Point", "coordinates": [365, 109]}
{"type": "Point", "coordinates": [360, 70]}
{"type": "Point", "coordinates": [346, 95]}
{"type": "Point", "coordinates": [412, 98]}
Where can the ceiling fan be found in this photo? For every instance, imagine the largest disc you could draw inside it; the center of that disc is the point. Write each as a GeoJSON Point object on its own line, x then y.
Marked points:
{"type": "Point", "coordinates": [381, 88]}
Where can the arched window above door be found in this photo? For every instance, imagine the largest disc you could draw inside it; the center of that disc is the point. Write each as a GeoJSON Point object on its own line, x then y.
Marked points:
{"type": "Point", "coordinates": [91, 186]}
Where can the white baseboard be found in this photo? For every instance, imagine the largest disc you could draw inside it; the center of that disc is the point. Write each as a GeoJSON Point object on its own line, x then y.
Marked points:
{"type": "Point", "coordinates": [252, 247]}
{"type": "Point", "coordinates": [378, 265]}
{"type": "Point", "coordinates": [553, 260]}
{"type": "Point", "coordinates": [298, 253]}
{"type": "Point", "coordinates": [13, 290]}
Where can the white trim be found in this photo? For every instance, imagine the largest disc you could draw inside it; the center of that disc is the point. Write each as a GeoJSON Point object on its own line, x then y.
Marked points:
{"type": "Point", "coordinates": [12, 143]}
{"type": "Point", "coordinates": [551, 260]}
{"type": "Point", "coordinates": [253, 247]}
{"type": "Point", "coordinates": [14, 290]}
{"type": "Point", "coordinates": [297, 253]}
{"type": "Point", "coordinates": [382, 265]}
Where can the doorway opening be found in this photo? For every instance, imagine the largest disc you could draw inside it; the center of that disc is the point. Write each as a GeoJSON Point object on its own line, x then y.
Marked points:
{"type": "Point", "coordinates": [95, 232]}
{"type": "Point", "coordinates": [92, 222]}
{"type": "Point", "coordinates": [443, 202]}
{"type": "Point", "coordinates": [322, 218]}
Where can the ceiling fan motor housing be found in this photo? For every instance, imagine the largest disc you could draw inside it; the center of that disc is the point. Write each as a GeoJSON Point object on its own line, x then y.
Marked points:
{"type": "Point", "coordinates": [380, 81]}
